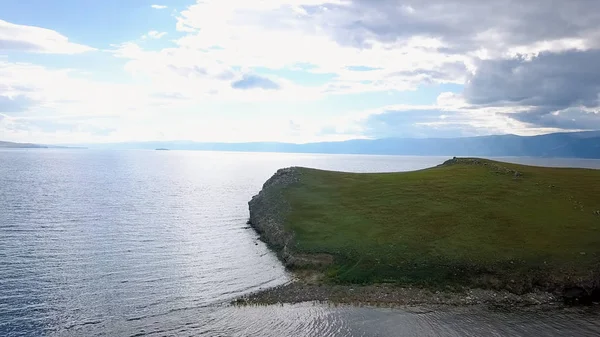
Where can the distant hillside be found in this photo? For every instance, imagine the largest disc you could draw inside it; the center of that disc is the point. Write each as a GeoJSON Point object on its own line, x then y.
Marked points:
{"type": "Point", "coordinates": [11, 145]}
{"type": "Point", "coordinates": [576, 144]}
{"type": "Point", "coordinates": [21, 145]}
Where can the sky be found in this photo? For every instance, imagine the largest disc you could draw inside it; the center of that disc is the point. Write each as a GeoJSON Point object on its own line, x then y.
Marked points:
{"type": "Point", "coordinates": [297, 71]}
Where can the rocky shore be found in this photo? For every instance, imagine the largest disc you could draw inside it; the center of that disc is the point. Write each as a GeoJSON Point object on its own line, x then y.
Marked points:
{"type": "Point", "coordinates": [389, 295]}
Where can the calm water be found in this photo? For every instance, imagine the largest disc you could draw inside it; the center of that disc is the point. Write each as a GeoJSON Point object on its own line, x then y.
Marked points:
{"type": "Point", "coordinates": [133, 243]}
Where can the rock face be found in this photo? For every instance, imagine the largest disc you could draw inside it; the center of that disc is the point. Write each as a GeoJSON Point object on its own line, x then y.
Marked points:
{"type": "Point", "coordinates": [268, 210]}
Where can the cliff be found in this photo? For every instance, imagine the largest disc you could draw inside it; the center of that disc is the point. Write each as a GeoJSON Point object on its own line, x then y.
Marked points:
{"type": "Point", "coordinates": [269, 210]}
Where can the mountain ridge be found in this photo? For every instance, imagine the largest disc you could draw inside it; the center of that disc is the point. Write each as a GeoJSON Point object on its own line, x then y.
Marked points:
{"type": "Point", "coordinates": [14, 145]}
{"type": "Point", "coordinates": [566, 144]}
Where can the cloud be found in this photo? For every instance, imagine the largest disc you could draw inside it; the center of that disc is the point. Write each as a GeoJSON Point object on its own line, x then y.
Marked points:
{"type": "Point", "coordinates": [556, 89]}
{"type": "Point", "coordinates": [431, 41]}
{"type": "Point", "coordinates": [290, 37]}
{"type": "Point", "coordinates": [550, 79]}
{"type": "Point", "coordinates": [92, 126]}
{"type": "Point", "coordinates": [55, 92]}
{"type": "Point", "coordinates": [402, 46]}
{"type": "Point", "coordinates": [449, 117]}
{"type": "Point", "coordinates": [67, 106]}
{"type": "Point", "coordinates": [574, 118]}
{"type": "Point", "coordinates": [14, 104]}
{"type": "Point", "coordinates": [456, 25]}
{"type": "Point", "coordinates": [432, 28]}
{"type": "Point", "coordinates": [200, 75]}
{"type": "Point", "coordinates": [33, 39]}
{"type": "Point", "coordinates": [255, 82]}
{"type": "Point", "coordinates": [57, 129]}
{"type": "Point", "coordinates": [153, 34]}
{"type": "Point", "coordinates": [528, 68]}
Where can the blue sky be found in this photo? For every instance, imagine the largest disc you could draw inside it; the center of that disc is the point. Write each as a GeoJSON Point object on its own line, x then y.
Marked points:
{"type": "Point", "coordinates": [295, 70]}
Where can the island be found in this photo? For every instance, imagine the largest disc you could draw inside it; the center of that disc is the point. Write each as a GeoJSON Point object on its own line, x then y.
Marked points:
{"type": "Point", "coordinates": [161, 149]}
{"type": "Point", "coordinates": [467, 231]}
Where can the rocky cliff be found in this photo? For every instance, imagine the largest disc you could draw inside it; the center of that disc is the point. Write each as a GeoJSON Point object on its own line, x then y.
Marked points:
{"type": "Point", "coordinates": [269, 210]}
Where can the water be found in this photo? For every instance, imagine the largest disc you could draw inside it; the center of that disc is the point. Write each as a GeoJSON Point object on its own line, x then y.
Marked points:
{"type": "Point", "coordinates": [133, 243]}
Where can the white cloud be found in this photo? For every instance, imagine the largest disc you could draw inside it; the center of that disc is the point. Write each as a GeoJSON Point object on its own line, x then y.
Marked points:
{"type": "Point", "coordinates": [286, 40]}
{"type": "Point", "coordinates": [67, 92]}
{"type": "Point", "coordinates": [15, 37]}
{"type": "Point", "coordinates": [197, 75]}
{"type": "Point", "coordinates": [153, 34]}
{"type": "Point", "coordinates": [63, 106]}
{"type": "Point", "coordinates": [159, 7]}
{"type": "Point", "coordinates": [221, 34]}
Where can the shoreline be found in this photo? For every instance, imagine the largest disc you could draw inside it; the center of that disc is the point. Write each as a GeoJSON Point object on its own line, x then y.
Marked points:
{"type": "Point", "coordinates": [300, 291]}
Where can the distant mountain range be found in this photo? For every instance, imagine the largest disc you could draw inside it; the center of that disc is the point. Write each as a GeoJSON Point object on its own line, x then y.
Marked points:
{"type": "Point", "coordinates": [572, 144]}
{"type": "Point", "coordinates": [21, 145]}
{"type": "Point", "coordinates": [12, 145]}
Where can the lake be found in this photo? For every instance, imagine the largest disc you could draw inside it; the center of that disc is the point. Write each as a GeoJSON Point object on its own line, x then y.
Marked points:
{"type": "Point", "coordinates": [136, 243]}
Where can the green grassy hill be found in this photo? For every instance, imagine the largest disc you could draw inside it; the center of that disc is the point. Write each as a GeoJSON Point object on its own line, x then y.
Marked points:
{"type": "Point", "coordinates": [467, 222]}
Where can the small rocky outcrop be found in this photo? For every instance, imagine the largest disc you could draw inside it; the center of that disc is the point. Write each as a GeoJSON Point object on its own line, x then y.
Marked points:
{"type": "Point", "coordinates": [493, 166]}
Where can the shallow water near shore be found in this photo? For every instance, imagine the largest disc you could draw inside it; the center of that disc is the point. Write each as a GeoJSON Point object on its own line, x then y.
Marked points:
{"type": "Point", "coordinates": [134, 243]}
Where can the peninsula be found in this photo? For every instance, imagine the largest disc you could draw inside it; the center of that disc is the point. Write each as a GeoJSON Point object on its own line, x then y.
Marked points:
{"type": "Point", "coordinates": [485, 230]}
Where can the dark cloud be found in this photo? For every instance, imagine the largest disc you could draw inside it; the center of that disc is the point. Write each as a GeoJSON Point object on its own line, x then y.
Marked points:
{"type": "Point", "coordinates": [570, 118]}
{"type": "Point", "coordinates": [551, 82]}
{"type": "Point", "coordinates": [554, 85]}
{"type": "Point", "coordinates": [255, 82]}
{"type": "Point", "coordinates": [551, 79]}
{"type": "Point", "coordinates": [458, 23]}
{"type": "Point", "coordinates": [16, 104]}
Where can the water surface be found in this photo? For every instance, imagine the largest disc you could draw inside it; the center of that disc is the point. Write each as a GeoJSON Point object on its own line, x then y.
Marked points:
{"type": "Point", "coordinates": [132, 243]}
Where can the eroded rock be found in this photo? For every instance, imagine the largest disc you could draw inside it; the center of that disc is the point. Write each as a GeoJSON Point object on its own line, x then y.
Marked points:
{"type": "Point", "coordinates": [268, 212]}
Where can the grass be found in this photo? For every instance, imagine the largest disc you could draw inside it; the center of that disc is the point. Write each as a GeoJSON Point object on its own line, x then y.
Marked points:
{"type": "Point", "coordinates": [452, 224]}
